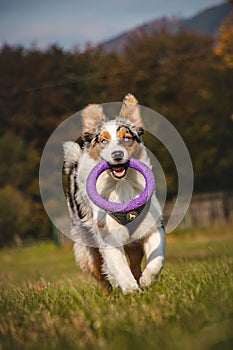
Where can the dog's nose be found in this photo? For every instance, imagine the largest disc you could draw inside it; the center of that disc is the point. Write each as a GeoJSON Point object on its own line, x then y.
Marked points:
{"type": "Point", "coordinates": [117, 155]}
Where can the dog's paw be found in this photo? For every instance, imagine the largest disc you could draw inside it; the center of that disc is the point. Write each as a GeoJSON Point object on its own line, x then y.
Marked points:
{"type": "Point", "coordinates": [131, 291]}
{"type": "Point", "coordinates": [151, 271]}
{"type": "Point", "coordinates": [145, 280]}
{"type": "Point", "coordinates": [130, 288]}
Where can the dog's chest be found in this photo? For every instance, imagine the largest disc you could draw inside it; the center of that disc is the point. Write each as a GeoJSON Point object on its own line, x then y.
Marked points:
{"type": "Point", "coordinates": [135, 230]}
{"type": "Point", "coordinates": [123, 192]}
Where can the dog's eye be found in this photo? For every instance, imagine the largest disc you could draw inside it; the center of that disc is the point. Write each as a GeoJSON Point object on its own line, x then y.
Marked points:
{"type": "Point", "coordinates": [104, 141]}
{"type": "Point", "coordinates": [126, 139]}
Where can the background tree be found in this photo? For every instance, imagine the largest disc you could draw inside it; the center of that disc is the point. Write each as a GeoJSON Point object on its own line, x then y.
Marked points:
{"type": "Point", "coordinates": [181, 75]}
{"type": "Point", "coordinates": [224, 48]}
{"type": "Point", "coordinates": [15, 215]}
{"type": "Point", "coordinates": [178, 75]}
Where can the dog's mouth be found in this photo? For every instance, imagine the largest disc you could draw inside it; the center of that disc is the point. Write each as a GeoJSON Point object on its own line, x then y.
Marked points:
{"type": "Point", "coordinates": [119, 171]}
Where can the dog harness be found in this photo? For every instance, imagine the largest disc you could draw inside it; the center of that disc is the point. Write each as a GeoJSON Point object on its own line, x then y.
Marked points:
{"type": "Point", "coordinates": [126, 218]}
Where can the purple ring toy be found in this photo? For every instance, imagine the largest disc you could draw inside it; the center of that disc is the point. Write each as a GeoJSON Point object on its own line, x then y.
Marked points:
{"type": "Point", "coordinates": [120, 207]}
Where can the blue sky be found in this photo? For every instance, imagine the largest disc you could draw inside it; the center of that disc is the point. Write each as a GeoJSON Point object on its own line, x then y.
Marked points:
{"type": "Point", "coordinates": [72, 23]}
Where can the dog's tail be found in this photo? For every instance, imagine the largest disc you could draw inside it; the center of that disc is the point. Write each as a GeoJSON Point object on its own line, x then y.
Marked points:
{"type": "Point", "coordinates": [72, 153]}
{"type": "Point", "coordinates": [77, 208]}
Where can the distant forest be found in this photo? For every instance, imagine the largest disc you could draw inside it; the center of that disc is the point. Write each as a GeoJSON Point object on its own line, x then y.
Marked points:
{"type": "Point", "coordinates": [186, 77]}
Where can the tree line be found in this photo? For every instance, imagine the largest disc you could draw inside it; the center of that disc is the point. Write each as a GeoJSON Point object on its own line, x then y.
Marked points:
{"type": "Point", "coordinates": [186, 77]}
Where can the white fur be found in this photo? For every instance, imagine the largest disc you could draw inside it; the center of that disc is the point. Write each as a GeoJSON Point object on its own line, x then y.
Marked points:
{"type": "Point", "coordinates": [105, 232]}
{"type": "Point", "coordinates": [72, 153]}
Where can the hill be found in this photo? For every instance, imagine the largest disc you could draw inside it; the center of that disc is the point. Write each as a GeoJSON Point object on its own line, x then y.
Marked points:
{"type": "Point", "coordinates": [206, 22]}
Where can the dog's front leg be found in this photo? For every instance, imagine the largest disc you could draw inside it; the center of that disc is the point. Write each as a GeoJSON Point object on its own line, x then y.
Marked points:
{"type": "Point", "coordinates": [154, 248]}
{"type": "Point", "coordinates": [118, 270]}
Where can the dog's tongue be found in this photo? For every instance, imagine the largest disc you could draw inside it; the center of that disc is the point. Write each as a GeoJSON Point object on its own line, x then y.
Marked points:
{"type": "Point", "coordinates": [119, 171]}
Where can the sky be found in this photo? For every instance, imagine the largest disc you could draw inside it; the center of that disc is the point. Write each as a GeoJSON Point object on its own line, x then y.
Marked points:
{"type": "Point", "coordinates": [73, 23]}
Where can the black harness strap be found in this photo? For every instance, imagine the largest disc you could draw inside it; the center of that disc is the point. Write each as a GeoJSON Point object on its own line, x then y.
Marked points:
{"type": "Point", "coordinates": [126, 218]}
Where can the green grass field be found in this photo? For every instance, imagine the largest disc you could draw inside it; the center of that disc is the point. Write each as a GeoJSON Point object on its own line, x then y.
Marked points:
{"type": "Point", "coordinates": [46, 302]}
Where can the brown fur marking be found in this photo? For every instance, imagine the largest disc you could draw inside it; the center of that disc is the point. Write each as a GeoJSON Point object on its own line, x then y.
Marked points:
{"type": "Point", "coordinates": [123, 133]}
{"type": "Point", "coordinates": [96, 270]}
{"type": "Point", "coordinates": [135, 254]}
{"type": "Point", "coordinates": [105, 136]}
{"type": "Point", "coordinates": [93, 152]}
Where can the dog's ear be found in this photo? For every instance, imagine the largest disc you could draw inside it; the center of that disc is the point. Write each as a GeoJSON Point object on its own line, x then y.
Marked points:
{"type": "Point", "coordinates": [130, 110]}
{"type": "Point", "coordinates": [92, 116]}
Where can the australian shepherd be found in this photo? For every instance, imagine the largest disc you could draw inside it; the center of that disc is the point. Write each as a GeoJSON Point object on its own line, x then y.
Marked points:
{"type": "Point", "coordinates": [111, 249]}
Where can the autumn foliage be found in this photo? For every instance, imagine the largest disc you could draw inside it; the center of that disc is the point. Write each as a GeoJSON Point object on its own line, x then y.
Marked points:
{"type": "Point", "coordinates": [224, 48]}
{"type": "Point", "coordinates": [184, 76]}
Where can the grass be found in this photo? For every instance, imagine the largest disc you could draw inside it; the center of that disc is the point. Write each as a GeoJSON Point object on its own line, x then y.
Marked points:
{"type": "Point", "coordinates": [46, 302]}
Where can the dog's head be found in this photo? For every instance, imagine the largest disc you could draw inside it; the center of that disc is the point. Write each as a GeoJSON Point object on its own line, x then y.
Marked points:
{"type": "Point", "coordinates": [114, 141]}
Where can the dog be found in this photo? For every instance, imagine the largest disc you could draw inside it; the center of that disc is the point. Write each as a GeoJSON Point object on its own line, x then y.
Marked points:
{"type": "Point", "coordinates": [110, 250]}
